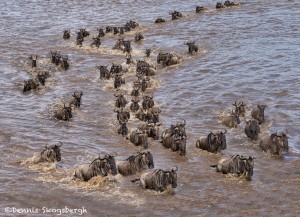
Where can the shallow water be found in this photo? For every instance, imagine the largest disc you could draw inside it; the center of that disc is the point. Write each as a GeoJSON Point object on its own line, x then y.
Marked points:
{"type": "Point", "coordinates": [248, 53]}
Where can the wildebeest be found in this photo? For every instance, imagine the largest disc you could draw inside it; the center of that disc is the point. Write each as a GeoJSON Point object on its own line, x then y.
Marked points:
{"type": "Point", "coordinates": [67, 34]}
{"type": "Point", "coordinates": [109, 29]}
{"type": "Point", "coordinates": [118, 80]}
{"type": "Point", "coordinates": [176, 131]}
{"type": "Point", "coordinates": [104, 72]}
{"type": "Point", "coordinates": [115, 30]}
{"type": "Point", "coordinates": [50, 154]}
{"type": "Point", "coordinates": [64, 63]}
{"type": "Point", "coordinates": [240, 108]}
{"type": "Point", "coordinates": [148, 102]}
{"type": "Point", "coordinates": [79, 38]}
{"type": "Point", "coordinates": [120, 101]}
{"type": "Point", "coordinates": [134, 106]}
{"type": "Point", "coordinates": [231, 120]}
{"type": "Point", "coordinates": [33, 59]}
{"type": "Point", "coordinates": [175, 143]}
{"type": "Point", "coordinates": [136, 163]}
{"type": "Point", "coordinates": [160, 20]}
{"type": "Point", "coordinates": [55, 57]}
{"type": "Point", "coordinates": [115, 69]}
{"type": "Point", "coordinates": [101, 32]}
{"type": "Point", "coordinates": [276, 143]}
{"type": "Point", "coordinates": [200, 9]}
{"type": "Point", "coordinates": [64, 113]}
{"type": "Point", "coordinates": [138, 37]}
{"type": "Point", "coordinates": [139, 138]}
{"type": "Point", "coordinates": [30, 84]}
{"type": "Point", "coordinates": [130, 25]}
{"type": "Point", "coordinates": [152, 130]}
{"type": "Point", "coordinates": [42, 76]}
{"type": "Point", "coordinates": [229, 3]}
{"type": "Point", "coordinates": [135, 91]}
{"type": "Point", "coordinates": [259, 113]}
{"type": "Point", "coordinates": [76, 100]}
{"type": "Point", "coordinates": [96, 42]}
{"type": "Point", "coordinates": [143, 114]}
{"type": "Point", "coordinates": [219, 5]}
{"type": "Point", "coordinates": [159, 179]}
{"type": "Point", "coordinates": [214, 142]}
{"type": "Point", "coordinates": [148, 52]}
{"type": "Point", "coordinates": [144, 69]}
{"type": "Point", "coordinates": [84, 32]}
{"type": "Point", "coordinates": [123, 129]}
{"type": "Point", "coordinates": [175, 15]}
{"type": "Point", "coordinates": [252, 129]}
{"type": "Point", "coordinates": [167, 59]}
{"type": "Point", "coordinates": [192, 47]}
{"type": "Point", "coordinates": [98, 167]}
{"type": "Point", "coordinates": [145, 83]}
{"type": "Point", "coordinates": [155, 111]}
{"type": "Point", "coordinates": [236, 164]}
{"type": "Point", "coordinates": [122, 114]}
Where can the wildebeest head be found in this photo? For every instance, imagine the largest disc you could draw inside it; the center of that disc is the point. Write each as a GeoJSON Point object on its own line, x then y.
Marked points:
{"type": "Point", "coordinates": [67, 34]}
{"type": "Point", "coordinates": [104, 165]}
{"type": "Point", "coordinates": [240, 107]}
{"type": "Point", "coordinates": [192, 47]}
{"type": "Point", "coordinates": [199, 9]}
{"type": "Point", "coordinates": [172, 177]}
{"type": "Point", "coordinates": [33, 60]}
{"type": "Point", "coordinates": [147, 159]}
{"type": "Point", "coordinates": [77, 99]}
{"type": "Point", "coordinates": [160, 20]}
{"type": "Point", "coordinates": [181, 145]}
{"type": "Point", "coordinates": [120, 101]}
{"type": "Point", "coordinates": [148, 52]}
{"type": "Point", "coordinates": [252, 129]}
{"type": "Point", "coordinates": [280, 142]}
{"type": "Point", "coordinates": [219, 5]}
{"type": "Point", "coordinates": [128, 58]}
{"type": "Point", "coordinates": [153, 130]}
{"type": "Point", "coordinates": [68, 109]}
{"type": "Point", "coordinates": [84, 32]}
{"type": "Point", "coordinates": [101, 32]}
{"type": "Point", "coordinates": [246, 167]}
{"type": "Point", "coordinates": [51, 153]}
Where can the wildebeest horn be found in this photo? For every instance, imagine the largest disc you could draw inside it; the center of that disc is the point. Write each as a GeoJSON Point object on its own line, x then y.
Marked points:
{"type": "Point", "coordinates": [176, 168]}
{"type": "Point", "coordinates": [235, 104]}
{"type": "Point", "coordinates": [184, 122]}
{"type": "Point", "coordinates": [225, 131]}
{"type": "Point", "coordinates": [59, 145]}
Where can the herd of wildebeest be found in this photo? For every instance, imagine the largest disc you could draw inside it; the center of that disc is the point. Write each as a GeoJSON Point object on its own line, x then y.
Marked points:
{"type": "Point", "coordinates": [148, 112]}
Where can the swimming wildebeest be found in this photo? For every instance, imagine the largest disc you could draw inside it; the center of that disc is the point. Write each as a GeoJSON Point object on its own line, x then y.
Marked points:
{"type": "Point", "coordinates": [231, 120]}
{"type": "Point", "coordinates": [115, 69]}
{"type": "Point", "coordinates": [128, 59]}
{"type": "Point", "coordinates": [84, 32]}
{"type": "Point", "coordinates": [122, 114]}
{"type": "Point", "coordinates": [219, 5]}
{"type": "Point", "coordinates": [175, 143]}
{"type": "Point", "coordinates": [134, 106]}
{"type": "Point", "coordinates": [200, 9]}
{"type": "Point", "coordinates": [33, 59]}
{"type": "Point", "coordinates": [214, 142]}
{"type": "Point", "coordinates": [236, 164]}
{"type": "Point", "coordinates": [30, 84]}
{"type": "Point", "coordinates": [176, 131]}
{"type": "Point", "coordinates": [152, 130]}
{"type": "Point", "coordinates": [42, 76]}
{"type": "Point", "coordinates": [64, 63]}
{"type": "Point", "coordinates": [276, 143]}
{"type": "Point", "coordinates": [167, 59]}
{"type": "Point", "coordinates": [240, 108]}
{"type": "Point", "coordinates": [148, 102]}
{"type": "Point", "coordinates": [101, 32]}
{"type": "Point", "coordinates": [144, 83]}
{"type": "Point", "coordinates": [148, 52]}
{"type": "Point", "coordinates": [120, 101]}
{"type": "Point", "coordinates": [138, 37]}
{"type": "Point", "coordinates": [229, 3]}
{"type": "Point", "coordinates": [143, 114]}
{"type": "Point", "coordinates": [252, 129]}
{"type": "Point", "coordinates": [259, 113]}
{"type": "Point", "coordinates": [136, 163]}
{"type": "Point", "coordinates": [96, 42]}
{"type": "Point", "coordinates": [192, 47]}
{"type": "Point", "coordinates": [104, 72]}
{"type": "Point", "coordinates": [64, 113]}
{"type": "Point", "coordinates": [160, 20]}
{"type": "Point", "coordinates": [50, 154]}
{"type": "Point", "coordinates": [76, 101]}
{"type": "Point", "coordinates": [175, 15]}
{"type": "Point", "coordinates": [135, 91]}
{"type": "Point", "coordinates": [67, 34]}
{"type": "Point", "coordinates": [155, 111]}
{"type": "Point", "coordinates": [98, 167]}
{"type": "Point", "coordinates": [139, 138]}
{"type": "Point", "coordinates": [159, 179]}
{"type": "Point", "coordinates": [109, 29]}
{"type": "Point", "coordinates": [79, 38]}
{"type": "Point", "coordinates": [115, 30]}
{"type": "Point", "coordinates": [118, 80]}
{"type": "Point", "coordinates": [123, 129]}
{"type": "Point", "coordinates": [55, 57]}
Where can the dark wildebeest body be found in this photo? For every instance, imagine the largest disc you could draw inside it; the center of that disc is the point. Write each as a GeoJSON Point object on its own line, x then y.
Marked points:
{"type": "Point", "coordinates": [42, 76]}
{"type": "Point", "coordinates": [148, 52]}
{"type": "Point", "coordinates": [55, 57]}
{"type": "Point", "coordinates": [159, 179]}
{"type": "Point", "coordinates": [276, 143]}
{"type": "Point", "coordinates": [175, 15]}
{"type": "Point", "coordinates": [84, 32]}
{"type": "Point", "coordinates": [64, 113]}
{"type": "Point", "coordinates": [192, 47]}
{"type": "Point", "coordinates": [79, 38]}
{"type": "Point", "coordinates": [136, 163]}
{"type": "Point", "coordinates": [148, 102]}
{"type": "Point", "coordinates": [259, 113]}
{"type": "Point", "coordinates": [76, 101]}
{"type": "Point", "coordinates": [139, 138]}
{"type": "Point", "coordinates": [138, 37]}
{"type": "Point", "coordinates": [101, 33]}
{"type": "Point", "coordinates": [160, 20]}
{"type": "Point", "coordinates": [237, 165]}
{"type": "Point", "coordinates": [155, 111]}
{"type": "Point", "coordinates": [231, 120]}
{"type": "Point", "coordinates": [33, 59]}
{"type": "Point", "coordinates": [122, 114]}
{"type": "Point", "coordinates": [104, 72]}
{"type": "Point", "coordinates": [120, 101]}
{"type": "Point", "coordinates": [214, 142]}
{"type": "Point", "coordinates": [118, 81]}
{"type": "Point", "coordinates": [64, 63]}
{"type": "Point", "coordinates": [98, 167]}
{"type": "Point", "coordinates": [199, 9]}
{"type": "Point", "coordinates": [123, 129]}
{"type": "Point", "coordinates": [252, 129]}
{"type": "Point", "coordinates": [30, 84]}
{"type": "Point", "coordinates": [50, 154]}
{"type": "Point", "coordinates": [67, 34]}
{"type": "Point", "coordinates": [136, 87]}
{"type": "Point", "coordinates": [96, 42]}
{"type": "Point", "coordinates": [134, 106]}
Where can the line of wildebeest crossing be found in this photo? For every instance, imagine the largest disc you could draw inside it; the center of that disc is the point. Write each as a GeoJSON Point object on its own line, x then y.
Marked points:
{"type": "Point", "coordinates": [144, 108]}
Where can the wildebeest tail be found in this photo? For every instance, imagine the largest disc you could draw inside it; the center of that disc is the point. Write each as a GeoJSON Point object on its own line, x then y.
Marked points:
{"type": "Point", "coordinates": [135, 180]}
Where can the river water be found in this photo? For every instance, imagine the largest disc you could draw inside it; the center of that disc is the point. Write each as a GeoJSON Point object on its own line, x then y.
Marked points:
{"type": "Point", "coordinates": [248, 53]}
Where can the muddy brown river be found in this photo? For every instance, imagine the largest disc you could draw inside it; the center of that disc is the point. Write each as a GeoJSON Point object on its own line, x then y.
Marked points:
{"type": "Point", "coordinates": [250, 53]}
